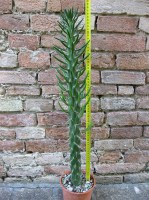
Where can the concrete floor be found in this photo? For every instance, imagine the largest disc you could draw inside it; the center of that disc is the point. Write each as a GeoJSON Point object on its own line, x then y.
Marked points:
{"type": "Point", "coordinates": [53, 192]}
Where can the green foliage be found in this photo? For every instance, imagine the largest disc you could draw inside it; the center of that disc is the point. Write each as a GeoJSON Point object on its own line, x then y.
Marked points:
{"type": "Point", "coordinates": [72, 83]}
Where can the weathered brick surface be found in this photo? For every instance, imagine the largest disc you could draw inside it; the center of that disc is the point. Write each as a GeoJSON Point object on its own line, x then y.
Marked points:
{"type": "Point", "coordinates": [146, 131]}
{"type": "Point", "coordinates": [126, 132]}
{"type": "Point", "coordinates": [8, 60]}
{"type": "Point", "coordinates": [143, 118]}
{"type": "Point", "coordinates": [49, 41]}
{"type": "Point", "coordinates": [30, 133]}
{"type": "Point", "coordinates": [136, 178]}
{"type": "Point", "coordinates": [109, 179]}
{"type": "Point", "coordinates": [19, 160]}
{"type": "Point", "coordinates": [54, 6]}
{"type": "Point", "coordinates": [117, 103]}
{"type": "Point", "coordinates": [34, 59]}
{"type": "Point", "coordinates": [136, 156]}
{"type": "Point", "coordinates": [117, 24]}
{"type": "Point", "coordinates": [103, 60]}
{"type": "Point", "coordinates": [135, 61]}
{"type": "Point", "coordinates": [142, 144]}
{"type": "Point", "coordinates": [26, 171]}
{"type": "Point", "coordinates": [15, 77]}
{"type": "Point", "coordinates": [79, 4]}
{"type": "Point", "coordinates": [57, 118]}
{"type": "Point", "coordinates": [7, 134]}
{"type": "Point", "coordinates": [110, 157]}
{"type": "Point", "coordinates": [118, 42]}
{"type": "Point", "coordinates": [14, 22]}
{"type": "Point", "coordinates": [143, 24]}
{"type": "Point", "coordinates": [12, 146]}
{"type": "Point", "coordinates": [47, 77]}
{"type": "Point", "coordinates": [23, 90]}
{"type": "Point", "coordinates": [122, 118]}
{"type": "Point", "coordinates": [50, 90]}
{"type": "Point", "coordinates": [104, 89]}
{"type": "Point", "coordinates": [10, 105]}
{"type": "Point", "coordinates": [113, 144]}
{"type": "Point", "coordinates": [123, 77]}
{"type": "Point", "coordinates": [142, 90]}
{"type": "Point", "coordinates": [44, 22]}
{"type": "Point", "coordinates": [30, 5]}
{"type": "Point", "coordinates": [17, 120]}
{"type": "Point", "coordinates": [5, 6]}
{"type": "Point", "coordinates": [129, 7]}
{"type": "Point", "coordinates": [97, 118]}
{"type": "Point", "coordinates": [55, 158]}
{"type": "Point", "coordinates": [57, 133]}
{"type": "Point", "coordinates": [38, 105]}
{"type": "Point", "coordinates": [118, 168]}
{"type": "Point", "coordinates": [17, 41]}
{"type": "Point", "coordinates": [2, 171]}
{"type": "Point", "coordinates": [125, 90]}
{"type": "Point", "coordinates": [143, 102]}
{"type": "Point", "coordinates": [41, 146]}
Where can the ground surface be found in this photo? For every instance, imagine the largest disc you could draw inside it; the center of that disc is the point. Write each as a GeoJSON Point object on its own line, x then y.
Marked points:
{"type": "Point", "coordinates": [53, 192]}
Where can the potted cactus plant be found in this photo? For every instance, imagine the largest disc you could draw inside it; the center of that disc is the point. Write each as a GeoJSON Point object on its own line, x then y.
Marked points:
{"type": "Point", "coordinates": [72, 84]}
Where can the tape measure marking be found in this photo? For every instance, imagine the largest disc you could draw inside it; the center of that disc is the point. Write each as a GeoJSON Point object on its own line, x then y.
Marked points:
{"type": "Point", "coordinates": [88, 85]}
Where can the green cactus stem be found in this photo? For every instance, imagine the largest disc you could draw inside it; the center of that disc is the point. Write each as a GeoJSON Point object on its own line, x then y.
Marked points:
{"type": "Point", "coordinates": [72, 83]}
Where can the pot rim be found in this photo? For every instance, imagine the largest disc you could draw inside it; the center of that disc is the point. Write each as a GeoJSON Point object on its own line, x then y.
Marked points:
{"type": "Point", "coordinates": [77, 193]}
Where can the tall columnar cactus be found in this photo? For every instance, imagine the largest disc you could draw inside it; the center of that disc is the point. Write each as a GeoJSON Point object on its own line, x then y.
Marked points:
{"type": "Point", "coordinates": [72, 83]}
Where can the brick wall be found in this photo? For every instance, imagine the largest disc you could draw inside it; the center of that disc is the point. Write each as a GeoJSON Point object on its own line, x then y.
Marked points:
{"type": "Point", "coordinates": [33, 133]}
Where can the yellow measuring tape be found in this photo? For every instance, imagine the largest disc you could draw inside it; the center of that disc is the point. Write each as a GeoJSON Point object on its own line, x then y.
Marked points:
{"type": "Point", "coordinates": [88, 85]}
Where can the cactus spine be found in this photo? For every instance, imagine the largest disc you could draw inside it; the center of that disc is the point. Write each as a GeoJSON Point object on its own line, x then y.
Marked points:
{"type": "Point", "coordinates": [71, 84]}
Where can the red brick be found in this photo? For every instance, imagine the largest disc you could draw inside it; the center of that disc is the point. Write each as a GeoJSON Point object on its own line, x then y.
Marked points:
{"type": "Point", "coordinates": [34, 59]}
{"type": "Point", "coordinates": [122, 118]}
{"type": "Point", "coordinates": [41, 146]}
{"type": "Point", "coordinates": [57, 133]}
{"type": "Point", "coordinates": [147, 75]}
{"type": "Point", "coordinates": [143, 102]}
{"type": "Point", "coordinates": [54, 5]}
{"type": "Point", "coordinates": [14, 77]}
{"type": "Point", "coordinates": [50, 90]}
{"type": "Point", "coordinates": [79, 4]}
{"type": "Point", "coordinates": [95, 77]}
{"type": "Point", "coordinates": [110, 157]}
{"type": "Point", "coordinates": [38, 105]}
{"type": "Point", "coordinates": [136, 156]}
{"type": "Point", "coordinates": [146, 131]}
{"type": "Point", "coordinates": [99, 133]}
{"type": "Point", "coordinates": [142, 144]}
{"type": "Point", "coordinates": [144, 90]}
{"type": "Point", "coordinates": [17, 120]}
{"type": "Point", "coordinates": [47, 77]}
{"type": "Point", "coordinates": [104, 89]}
{"type": "Point", "coordinates": [49, 41]}
{"type": "Point", "coordinates": [53, 118]}
{"type": "Point", "coordinates": [13, 146]}
{"type": "Point", "coordinates": [117, 42]}
{"type": "Point", "coordinates": [44, 22]}
{"type": "Point", "coordinates": [123, 77]}
{"type": "Point", "coordinates": [2, 171]}
{"type": "Point", "coordinates": [23, 90]}
{"type": "Point", "coordinates": [119, 168]}
{"type": "Point", "coordinates": [126, 132]}
{"type": "Point", "coordinates": [14, 22]}
{"type": "Point", "coordinates": [30, 5]}
{"type": "Point", "coordinates": [5, 6]}
{"type": "Point", "coordinates": [122, 24]}
{"type": "Point", "coordinates": [63, 145]}
{"type": "Point", "coordinates": [17, 41]}
{"type": "Point", "coordinates": [143, 118]}
{"type": "Point", "coordinates": [135, 61]}
{"type": "Point", "coordinates": [103, 60]}
{"type": "Point", "coordinates": [95, 104]}
{"type": "Point", "coordinates": [53, 169]}
{"type": "Point", "coordinates": [7, 134]}
{"type": "Point", "coordinates": [97, 118]}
